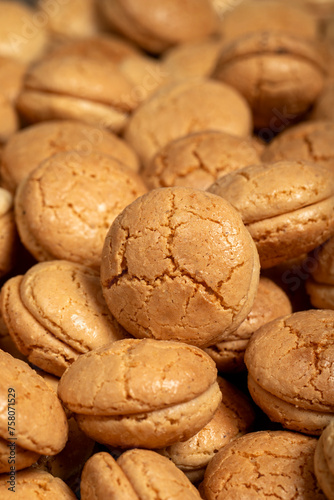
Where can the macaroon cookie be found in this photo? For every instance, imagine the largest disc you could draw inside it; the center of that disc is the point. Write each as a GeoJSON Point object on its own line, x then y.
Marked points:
{"type": "Point", "coordinates": [26, 149]}
{"type": "Point", "coordinates": [198, 104]}
{"type": "Point", "coordinates": [320, 286]}
{"type": "Point", "coordinates": [9, 240]}
{"type": "Point", "coordinates": [275, 72]}
{"type": "Point", "coordinates": [234, 417]}
{"type": "Point", "coordinates": [324, 105]}
{"type": "Point", "coordinates": [270, 303]}
{"type": "Point", "coordinates": [11, 77]}
{"type": "Point", "coordinates": [265, 464]}
{"type": "Point", "coordinates": [156, 25]}
{"type": "Point", "coordinates": [141, 393]}
{"type": "Point", "coordinates": [26, 433]}
{"type": "Point", "coordinates": [35, 485]}
{"type": "Point", "coordinates": [197, 160]}
{"type": "Point", "coordinates": [178, 264]}
{"type": "Point", "coordinates": [74, 87]}
{"type": "Point", "coordinates": [55, 312]}
{"type": "Point", "coordinates": [22, 34]}
{"type": "Point", "coordinates": [65, 207]}
{"type": "Point", "coordinates": [324, 461]}
{"type": "Point", "coordinates": [287, 206]}
{"type": "Point", "coordinates": [309, 141]}
{"type": "Point", "coordinates": [289, 364]}
{"type": "Point", "coordinates": [137, 475]}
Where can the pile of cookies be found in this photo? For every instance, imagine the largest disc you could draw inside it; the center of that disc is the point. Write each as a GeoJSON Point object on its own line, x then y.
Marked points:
{"type": "Point", "coordinates": [167, 249]}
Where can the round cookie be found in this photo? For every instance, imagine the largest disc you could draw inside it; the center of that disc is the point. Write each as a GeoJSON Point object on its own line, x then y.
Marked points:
{"type": "Point", "coordinates": [178, 264]}
{"type": "Point", "coordinates": [289, 364]}
{"type": "Point", "coordinates": [8, 233]}
{"type": "Point", "coordinates": [35, 485]}
{"type": "Point", "coordinates": [26, 149]}
{"type": "Point", "coordinates": [156, 25]}
{"type": "Point", "coordinates": [199, 105]}
{"type": "Point", "coordinates": [233, 418]}
{"type": "Point", "coordinates": [265, 464]}
{"type": "Point", "coordinates": [197, 160]}
{"type": "Point", "coordinates": [306, 141]}
{"type": "Point", "coordinates": [324, 461]}
{"type": "Point", "coordinates": [320, 286]}
{"type": "Point", "coordinates": [64, 208]}
{"type": "Point", "coordinates": [141, 393]}
{"type": "Point", "coordinates": [277, 73]}
{"type": "Point", "coordinates": [80, 88]}
{"type": "Point", "coordinates": [55, 312]}
{"type": "Point", "coordinates": [34, 432]}
{"type": "Point", "coordinates": [22, 36]}
{"type": "Point", "coordinates": [270, 303]}
{"type": "Point", "coordinates": [287, 206]}
{"type": "Point", "coordinates": [137, 475]}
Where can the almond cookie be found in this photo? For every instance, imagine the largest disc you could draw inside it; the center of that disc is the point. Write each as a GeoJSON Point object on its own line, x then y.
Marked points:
{"type": "Point", "coordinates": [270, 303]}
{"type": "Point", "coordinates": [8, 235]}
{"type": "Point", "coordinates": [65, 206]}
{"type": "Point", "coordinates": [156, 25]}
{"type": "Point", "coordinates": [36, 432]}
{"type": "Point", "coordinates": [306, 141]}
{"type": "Point", "coordinates": [275, 72]}
{"type": "Point", "coordinates": [144, 393]}
{"type": "Point", "coordinates": [34, 485]}
{"type": "Point", "coordinates": [324, 105]}
{"type": "Point", "coordinates": [11, 77]}
{"type": "Point", "coordinates": [266, 464]}
{"type": "Point", "coordinates": [178, 264]}
{"type": "Point", "coordinates": [197, 160]}
{"type": "Point", "coordinates": [137, 475]}
{"type": "Point", "coordinates": [26, 149]}
{"type": "Point", "coordinates": [324, 461]}
{"type": "Point", "coordinates": [289, 364]}
{"type": "Point", "coordinates": [233, 418]}
{"type": "Point", "coordinates": [55, 312]}
{"type": "Point", "coordinates": [288, 206]}
{"type": "Point", "coordinates": [75, 87]}
{"type": "Point", "coordinates": [198, 104]}
{"type": "Point", "coordinates": [320, 286]}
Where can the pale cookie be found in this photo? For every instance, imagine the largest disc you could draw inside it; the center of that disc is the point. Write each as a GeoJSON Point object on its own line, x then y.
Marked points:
{"type": "Point", "coordinates": [34, 485]}
{"type": "Point", "coordinates": [65, 207]}
{"type": "Point", "coordinates": [156, 25]}
{"type": "Point", "coordinates": [36, 432]}
{"type": "Point", "coordinates": [234, 417]}
{"type": "Point", "coordinates": [197, 160]}
{"type": "Point", "coordinates": [270, 303]}
{"type": "Point", "coordinates": [55, 312]}
{"type": "Point", "coordinates": [178, 264]}
{"type": "Point", "coordinates": [262, 465]}
{"type": "Point", "coordinates": [137, 475]}
{"type": "Point", "coordinates": [289, 364]}
{"type": "Point", "coordinates": [324, 461]}
{"type": "Point", "coordinates": [141, 393]}
{"type": "Point", "coordinates": [198, 104]}
{"type": "Point", "coordinates": [26, 149]}
{"type": "Point", "coordinates": [288, 206]}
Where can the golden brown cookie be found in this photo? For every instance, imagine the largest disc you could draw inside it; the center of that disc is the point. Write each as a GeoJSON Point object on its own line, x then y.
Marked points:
{"type": "Point", "coordinates": [234, 417]}
{"type": "Point", "coordinates": [324, 105]}
{"type": "Point", "coordinates": [197, 160]}
{"type": "Point", "coordinates": [158, 24]}
{"type": "Point", "coordinates": [35, 485]}
{"type": "Point", "coordinates": [198, 104]}
{"type": "Point", "coordinates": [324, 461]}
{"type": "Point", "coordinates": [64, 208]}
{"type": "Point", "coordinates": [11, 77]}
{"type": "Point", "coordinates": [8, 234]}
{"type": "Point", "coordinates": [289, 370]}
{"type": "Point", "coordinates": [266, 464]}
{"type": "Point", "coordinates": [26, 149]}
{"type": "Point", "coordinates": [137, 475]}
{"type": "Point", "coordinates": [55, 312]}
{"type": "Point", "coordinates": [74, 87]}
{"type": "Point", "coordinates": [277, 73]}
{"type": "Point", "coordinates": [178, 264]}
{"type": "Point", "coordinates": [9, 122]}
{"type": "Point", "coordinates": [287, 206]}
{"type": "Point", "coordinates": [144, 393]}
{"type": "Point", "coordinates": [320, 286]}
{"type": "Point", "coordinates": [26, 433]}
{"type": "Point", "coordinates": [270, 303]}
